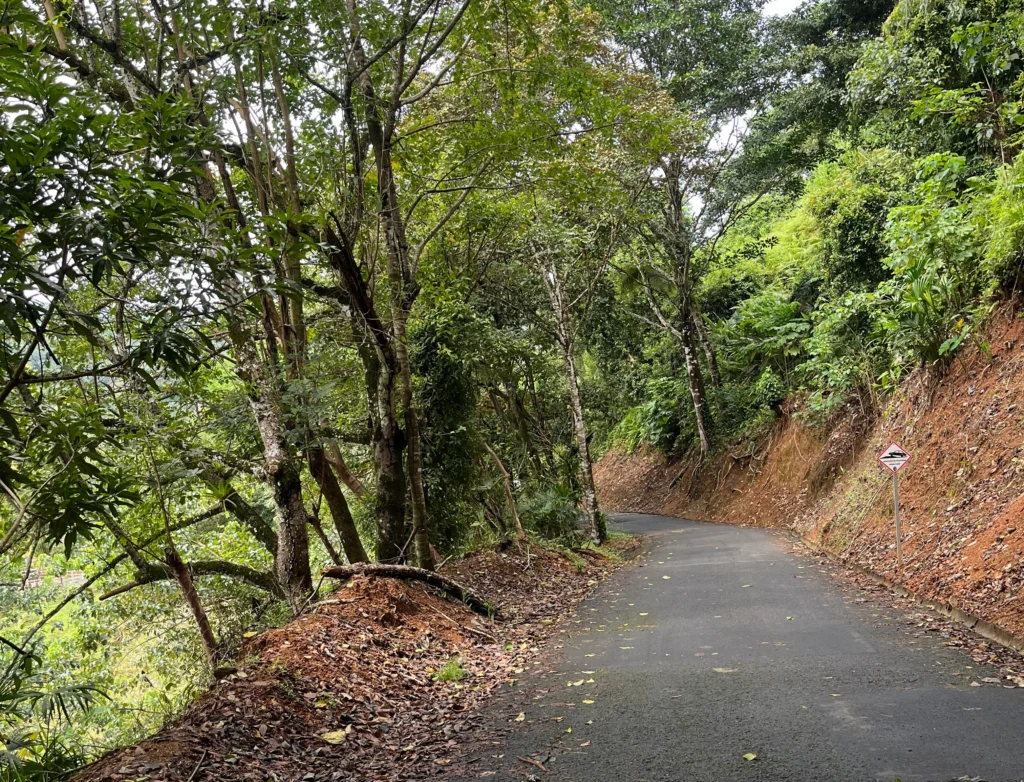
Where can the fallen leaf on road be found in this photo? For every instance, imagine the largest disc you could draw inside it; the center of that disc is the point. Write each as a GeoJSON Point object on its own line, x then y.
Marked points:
{"type": "Point", "coordinates": [588, 702]}
{"type": "Point", "coordinates": [746, 586]}
{"type": "Point", "coordinates": [724, 670]}
{"type": "Point", "coordinates": [750, 756]}
{"type": "Point", "coordinates": [789, 619]}
{"type": "Point", "coordinates": [666, 577]}
{"type": "Point", "coordinates": [336, 736]}
{"type": "Point", "coordinates": [521, 717]}
{"type": "Point", "coordinates": [585, 744]}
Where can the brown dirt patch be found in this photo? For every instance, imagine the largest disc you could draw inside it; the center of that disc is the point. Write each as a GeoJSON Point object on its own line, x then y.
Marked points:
{"type": "Point", "coordinates": [358, 667]}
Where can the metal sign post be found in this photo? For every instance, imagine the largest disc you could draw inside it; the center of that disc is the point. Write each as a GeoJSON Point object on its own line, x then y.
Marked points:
{"type": "Point", "coordinates": [894, 458]}
{"type": "Point", "coordinates": [896, 513]}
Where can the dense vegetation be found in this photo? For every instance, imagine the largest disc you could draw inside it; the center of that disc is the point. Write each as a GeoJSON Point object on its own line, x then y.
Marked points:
{"type": "Point", "coordinates": [286, 286]}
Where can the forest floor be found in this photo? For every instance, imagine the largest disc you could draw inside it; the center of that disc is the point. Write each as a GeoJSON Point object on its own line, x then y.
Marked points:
{"type": "Point", "coordinates": [348, 690]}
{"type": "Point", "coordinates": [961, 496]}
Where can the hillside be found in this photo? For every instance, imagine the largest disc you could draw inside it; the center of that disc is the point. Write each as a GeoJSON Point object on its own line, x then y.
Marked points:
{"type": "Point", "coordinates": [961, 497]}
{"type": "Point", "coordinates": [382, 679]}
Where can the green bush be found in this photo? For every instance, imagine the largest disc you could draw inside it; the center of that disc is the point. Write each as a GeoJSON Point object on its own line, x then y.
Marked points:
{"type": "Point", "coordinates": [551, 512]}
{"type": "Point", "coordinates": [36, 744]}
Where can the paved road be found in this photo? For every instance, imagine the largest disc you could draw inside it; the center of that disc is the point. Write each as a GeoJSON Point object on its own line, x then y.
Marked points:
{"type": "Point", "coordinates": [689, 669]}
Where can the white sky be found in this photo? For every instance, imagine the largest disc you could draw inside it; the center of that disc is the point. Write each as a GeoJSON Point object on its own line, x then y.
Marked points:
{"type": "Point", "coordinates": [780, 7]}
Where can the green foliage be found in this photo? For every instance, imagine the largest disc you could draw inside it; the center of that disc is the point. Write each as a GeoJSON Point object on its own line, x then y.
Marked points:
{"type": "Point", "coordinates": [850, 200]}
{"type": "Point", "coordinates": [36, 744]}
{"type": "Point", "coordinates": [451, 671]}
{"type": "Point", "coordinates": [935, 261]}
{"type": "Point", "coordinates": [446, 346]}
{"type": "Point", "coordinates": [551, 511]}
{"type": "Point", "coordinates": [845, 353]}
{"type": "Point", "coordinates": [766, 331]}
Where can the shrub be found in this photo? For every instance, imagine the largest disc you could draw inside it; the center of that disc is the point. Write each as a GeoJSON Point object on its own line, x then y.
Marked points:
{"type": "Point", "coordinates": [551, 511]}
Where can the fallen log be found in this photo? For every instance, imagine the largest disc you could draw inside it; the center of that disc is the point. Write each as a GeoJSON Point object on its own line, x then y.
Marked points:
{"type": "Point", "coordinates": [408, 573]}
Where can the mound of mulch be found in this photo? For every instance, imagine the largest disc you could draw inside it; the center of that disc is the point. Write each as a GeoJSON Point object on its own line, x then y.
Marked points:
{"type": "Point", "coordinates": [347, 690]}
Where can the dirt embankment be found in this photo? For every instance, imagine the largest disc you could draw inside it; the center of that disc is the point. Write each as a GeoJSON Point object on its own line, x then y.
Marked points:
{"type": "Point", "coordinates": [961, 497]}
{"type": "Point", "coordinates": [348, 691]}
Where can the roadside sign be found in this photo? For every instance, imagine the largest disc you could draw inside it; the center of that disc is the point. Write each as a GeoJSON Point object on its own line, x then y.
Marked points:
{"type": "Point", "coordinates": [894, 457]}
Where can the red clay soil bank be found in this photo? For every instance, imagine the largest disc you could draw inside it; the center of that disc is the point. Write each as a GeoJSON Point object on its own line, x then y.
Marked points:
{"type": "Point", "coordinates": [346, 690]}
{"type": "Point", "coordinates": [961, 498]}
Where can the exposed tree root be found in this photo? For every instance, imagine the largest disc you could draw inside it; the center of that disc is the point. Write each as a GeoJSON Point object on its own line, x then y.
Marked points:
{"type": "Point", "coordinates": [409, 573]}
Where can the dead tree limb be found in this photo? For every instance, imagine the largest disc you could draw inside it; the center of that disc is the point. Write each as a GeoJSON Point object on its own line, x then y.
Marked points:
{"type": "Point", "coordinates": [520, 532]}
{"type": "Point", "coordinates": [409, 573]}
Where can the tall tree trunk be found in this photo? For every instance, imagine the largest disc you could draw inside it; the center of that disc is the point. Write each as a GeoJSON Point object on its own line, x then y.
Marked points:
{"type": "Point", "coordinates": [388, 446]}
{"type": "Point", "coordinates": [680, 249]}
{"type": "Point", "coordinates": [697, 392]}
{"type": "Point", "coordinates": [324, 476]}
{"type": "Point", "coordinates": [553, 282]}
{"type": "Point", "coordinates": [292, 559]}
{"type": "Point", "coordinates": [414, 454]}
{"type": "Point", "coordinates": [598, 532]}
{"type": "Point", "coordinates": [262, 381]}
{"type": "Point", "coordinates": [701, 330]}
{"type": "Point", "coordinates": [404, 289]}
{"type": "Point", "coordinates": [188, 589]}
{"type": "Point", "coordinates": [375, 344]}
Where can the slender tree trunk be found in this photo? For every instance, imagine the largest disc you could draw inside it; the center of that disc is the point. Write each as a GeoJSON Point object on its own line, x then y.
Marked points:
{"type": "Point", "coordinates": [188, 589]}
{"type": "Point", "coordinates": [414, 454]}
{"type": "Point", "coordinates": [402, 276]}
{"type": "Point", "coordinates": [520, 532]}
{"type": "Point", "coordinates": [553, 282]}
{"type": "Point", "coordinates": [697, 392]}
{"type": "Point", "coordinates": [318, 528]}
{"type": "Point", "coordinates": [376, 352]}
{"type": "Point", "coordinates": [324, 476]}
{"type": "Point", "coordinates": [680, 247]}
{"type": "Point", "coordinates": [388, 447]}
{"type": "Point", "coordinates": [594, 517]}
{"type": "Point", "coordinates": [701, 330]}
{"type": "Point", "coordinates": [349, 478]}
{"type": "Point", "coordinates": [292, 559]}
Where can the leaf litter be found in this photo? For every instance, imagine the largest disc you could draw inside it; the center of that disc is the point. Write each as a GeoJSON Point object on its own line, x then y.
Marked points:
{"type": "Point", "coordinates": [345, 691]}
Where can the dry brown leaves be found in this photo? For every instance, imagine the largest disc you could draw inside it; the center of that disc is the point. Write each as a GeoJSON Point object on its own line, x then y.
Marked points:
{"type": "Point", "coordinates": [346, 691]}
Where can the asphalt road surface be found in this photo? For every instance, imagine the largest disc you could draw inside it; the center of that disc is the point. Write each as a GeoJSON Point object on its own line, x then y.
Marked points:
{"type": "Point", "coordinates": [724, 644]}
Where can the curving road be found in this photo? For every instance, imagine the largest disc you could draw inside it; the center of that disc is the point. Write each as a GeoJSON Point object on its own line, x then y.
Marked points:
{"type": "Point", "coordinates": [721, 643]}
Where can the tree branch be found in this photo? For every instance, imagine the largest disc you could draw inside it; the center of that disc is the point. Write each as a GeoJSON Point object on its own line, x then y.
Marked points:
{"type": "Point", "coordinates": [408, 573]}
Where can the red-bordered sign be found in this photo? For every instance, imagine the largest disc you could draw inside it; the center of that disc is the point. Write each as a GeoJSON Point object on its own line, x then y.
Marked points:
{"type": "Point", "coordinates": [894, 458]}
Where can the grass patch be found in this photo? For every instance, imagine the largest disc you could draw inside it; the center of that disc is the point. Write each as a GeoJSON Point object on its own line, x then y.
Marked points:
{"type": "Point", "coordinates": [451, 671]}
